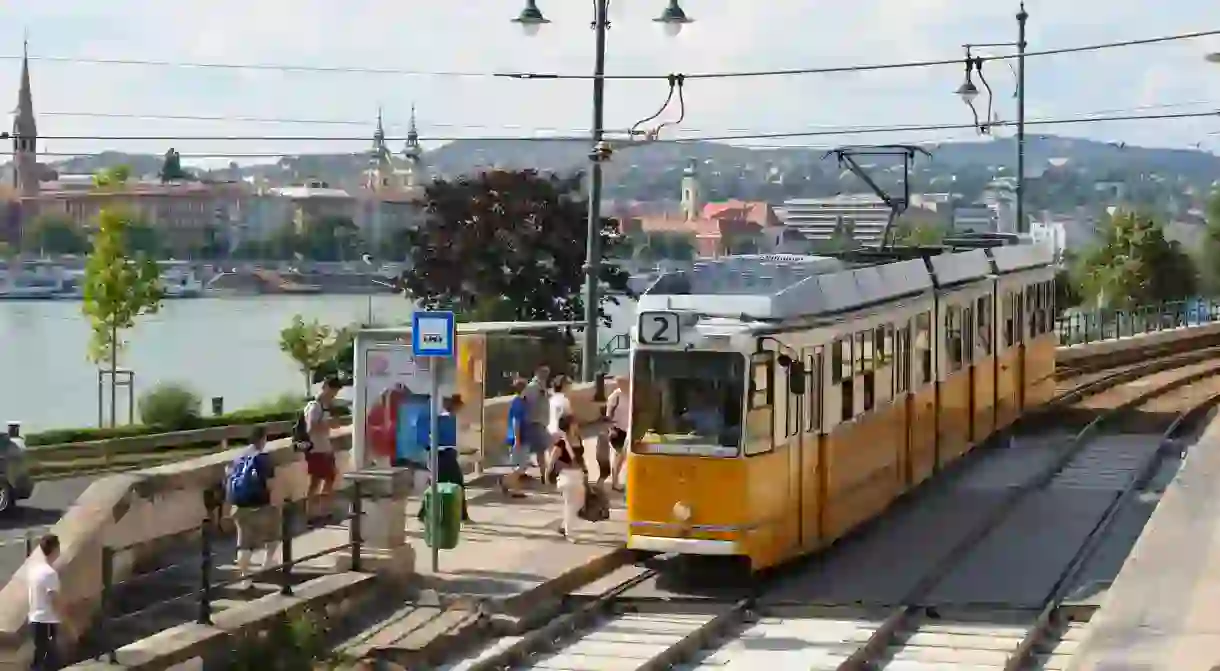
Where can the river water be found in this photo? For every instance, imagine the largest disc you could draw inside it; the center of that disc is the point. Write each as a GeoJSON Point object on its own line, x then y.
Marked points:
{"type": "Point", "coordinates": [225, 347]}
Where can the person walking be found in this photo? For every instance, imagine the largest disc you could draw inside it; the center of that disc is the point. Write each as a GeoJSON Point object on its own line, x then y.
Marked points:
{"type": "Point", "coordinates": [559, 406]}
{"type": "Point", "coordinates": [319, 453]}
{"type": "Point", "coordinates": [46, 606]}
{"type": "Point", "coordinates": [618, 412]}
{"type": "Point", "coordinates": [515, 439]}
{"type": "Point", "coordinates": [537, 417]}
{"type": "Point", "coordinates": [248, 490]}
{"type": "Point", "coordinates": [448, 465]}
{"type": "Point", "coordinates": [568, 466]}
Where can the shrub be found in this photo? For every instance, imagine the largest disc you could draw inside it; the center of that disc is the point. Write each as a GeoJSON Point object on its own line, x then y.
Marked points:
{"type": "Point", "coordinates": [171, 406]}
{"type": "Point", "coordinates": [298, 643]}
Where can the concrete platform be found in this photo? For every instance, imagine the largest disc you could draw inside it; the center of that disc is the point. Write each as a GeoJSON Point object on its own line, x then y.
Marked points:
{"type": "Point", "coordinates": [1163, 609]}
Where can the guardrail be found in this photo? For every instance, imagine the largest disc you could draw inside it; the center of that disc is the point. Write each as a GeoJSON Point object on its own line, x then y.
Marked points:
{"type": "Point", "coordinates": [203, 596]}
{"type": "Point", "coordinates": [1101, 325]}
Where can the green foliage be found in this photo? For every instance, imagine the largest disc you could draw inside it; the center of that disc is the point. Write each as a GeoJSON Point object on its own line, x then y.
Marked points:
{"type": "Point", "coordinates": [321, 239]}
{"type": "Point", "coordinates": [1135, 265]}
{"type": "Point", "coordinates": [298, 643]}
{"type": "Point", "coordinates": [1209, 250]}
{"type": "Point", "coordinates": [114, 176]}
{"type": "Point", "coordinates": [282, 404]}
{"type": "Point", "coordinates": [312, 345]}
{"type": "Point", "coordinates": [52, 234]}
{"type": "Point", "coordinates": [119, 287]}
{"type": "Point", "coordinates": [171, 168]}
{"type": "Point", "coordinates": [141, 239]}
{"type": "Point", "coordinates": [1067, 295]}
{"type": "Point", "coordinates": [518, 235]}
{"type": "Point", "coordinates": [170, 404]}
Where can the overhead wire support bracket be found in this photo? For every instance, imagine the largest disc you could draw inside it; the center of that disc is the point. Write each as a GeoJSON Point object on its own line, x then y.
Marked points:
{"type": "Point", "coordinates": [846, 157]}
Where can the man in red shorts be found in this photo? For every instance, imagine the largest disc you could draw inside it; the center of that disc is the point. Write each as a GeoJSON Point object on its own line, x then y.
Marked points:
{"type": "Point", "coordinates": [320, 459]}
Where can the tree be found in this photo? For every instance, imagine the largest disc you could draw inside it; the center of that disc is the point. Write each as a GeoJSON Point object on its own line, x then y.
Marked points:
{"type": "Point", "coordinates": [141, 238]}
{"type": "Point", "coordinates": [52, 234]}
{"type": "Point", "coordinates": [1134, 264]}
{"type": "Point", "coordinates": [171, 168]}
{"type": "Point", "coordinates": [114, 176]}
{"type": "Point", "coordinates": [513, 239]}
{"type": "Point", "coordinates": [1209, 249]}
{"type": "Point", "coordinates": [330, 239]}
{"type": "Point", "coordinates": [120, 285]}
{"type": "Point", "coordinates": [311, 345]}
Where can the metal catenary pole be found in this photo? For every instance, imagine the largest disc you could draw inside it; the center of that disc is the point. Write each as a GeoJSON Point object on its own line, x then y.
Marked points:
{"type": "Point", "coordinates": [593, 250]}
{"type": "Point", "coordinates": [1022, 17]}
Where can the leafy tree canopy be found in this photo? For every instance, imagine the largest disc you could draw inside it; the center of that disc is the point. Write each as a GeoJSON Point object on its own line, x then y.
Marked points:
{"type": "Point", "coordinates": [1134, 264]}
{"type": "Point", "coordinates": [112, 177]}
{"type": "Point", "coordinates": [171, 168]}
{"type": "Point", "coordinates": [53, 234]}
{"type": "Point", "coordinates": [120, 285]}
{"type": "Point", "coordinates": [508, 245]}
{"type": "Point", "coordinates": [1209, 249]}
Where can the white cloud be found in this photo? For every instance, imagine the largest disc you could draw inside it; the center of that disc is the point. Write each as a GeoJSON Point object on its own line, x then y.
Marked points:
{"type": "Point", "coordinates": [475, 35]}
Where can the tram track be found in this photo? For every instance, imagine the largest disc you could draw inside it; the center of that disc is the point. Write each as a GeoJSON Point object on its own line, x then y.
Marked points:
{"type": "Point", "coordinates": [619, 631]}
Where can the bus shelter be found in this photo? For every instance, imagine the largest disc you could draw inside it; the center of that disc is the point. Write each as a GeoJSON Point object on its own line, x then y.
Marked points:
{"type": "Point", "coordinates": [391, 386]}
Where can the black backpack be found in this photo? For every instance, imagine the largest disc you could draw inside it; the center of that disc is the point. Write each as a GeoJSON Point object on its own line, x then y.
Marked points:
{"type": "Point", "coordinates": [301, 442]}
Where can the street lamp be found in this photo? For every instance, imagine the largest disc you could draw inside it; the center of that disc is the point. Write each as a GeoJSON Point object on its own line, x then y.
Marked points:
{"type": "Point", "coordinates": [531, 21]}
{"type": "Point", "coordinates": [969, 92]}
{"type": "Point", "coordinates": [1213, 57]}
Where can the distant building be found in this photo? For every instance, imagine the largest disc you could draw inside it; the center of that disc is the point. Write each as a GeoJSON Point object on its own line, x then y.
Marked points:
{"type": "Point", "coordinates": [822, 219]}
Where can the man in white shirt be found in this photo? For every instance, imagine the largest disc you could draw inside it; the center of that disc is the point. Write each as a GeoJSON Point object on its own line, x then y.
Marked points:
{"type": "Point", "coordinates": [45, 605]}
{"type": "Point", "coordinates": [320, 459]}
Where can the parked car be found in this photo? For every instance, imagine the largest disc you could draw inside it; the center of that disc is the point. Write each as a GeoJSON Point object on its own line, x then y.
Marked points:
{"type": "Point", "coordinates": [15, 482]}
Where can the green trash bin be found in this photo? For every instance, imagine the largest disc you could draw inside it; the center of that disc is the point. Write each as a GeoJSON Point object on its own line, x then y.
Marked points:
{"type": "Point", "coordinates": [445, 535]}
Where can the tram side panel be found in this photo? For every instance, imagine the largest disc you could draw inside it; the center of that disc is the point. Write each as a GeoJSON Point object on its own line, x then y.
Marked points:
{"type": "Point", "coordinates": [984, 371]}
{"type": "Point", "coordinates": [770, 446]}
{"type": "Point", "coordinates": [1009, 362]}
{"type": "Point", "coordinates": [813, 476]}
{"type": "Point", "coordinates": [953, 380]}
{"type": "Point", "coordinates": [922, 424]}
{"type": "Point", "coordinates": [1040, 342]}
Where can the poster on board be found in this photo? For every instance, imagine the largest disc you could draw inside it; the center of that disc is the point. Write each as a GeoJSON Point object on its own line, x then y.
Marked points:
{"type": "Point", "coordinates": [394, 394]}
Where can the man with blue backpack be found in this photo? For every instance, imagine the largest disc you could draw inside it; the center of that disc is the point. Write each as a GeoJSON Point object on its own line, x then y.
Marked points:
{"type": "Point", "coordinates": [248, 490]}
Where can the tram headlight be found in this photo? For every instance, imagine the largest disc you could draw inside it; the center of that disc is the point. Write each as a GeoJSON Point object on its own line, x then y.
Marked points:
{"type": "Point", "coordinates": [682, 512]}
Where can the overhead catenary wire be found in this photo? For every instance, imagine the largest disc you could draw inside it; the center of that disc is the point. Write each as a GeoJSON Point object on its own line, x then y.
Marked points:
{"type": "Point", "coordinates": [1085, 118]}
{"type": "Point", "coordinates": [366, 123]}
{"type": "Point", "coordinates": [853, 130]}
{"type": "Point", "coordinates": [782, 72]}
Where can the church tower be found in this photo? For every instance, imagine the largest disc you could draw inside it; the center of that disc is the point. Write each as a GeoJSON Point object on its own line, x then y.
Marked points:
{"type": "Point", "coordinates": [692, 199]}
{"type": "Point", "coordinates": [381, 169]}
{"type": "Point", "coordinates": [412, 152]}
{"type": "Point", "coordinates": [25, 134]}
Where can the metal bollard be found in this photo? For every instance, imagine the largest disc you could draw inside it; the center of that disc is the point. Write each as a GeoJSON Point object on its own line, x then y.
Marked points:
{"type": "Point", "coordinates": [357, 539]}
{"type": "Point", "coordinates": [205, 572]}
{"type": "Point", "coordinates": [286, 549]}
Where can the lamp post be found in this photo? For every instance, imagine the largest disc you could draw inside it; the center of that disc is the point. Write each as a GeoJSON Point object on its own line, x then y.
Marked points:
{"type": "Point", "coordinates": [1213, 57]}
{"type": "Point", "coordinates": [531, 20]}
{"type": "Point", "coordinates": [969, 92]}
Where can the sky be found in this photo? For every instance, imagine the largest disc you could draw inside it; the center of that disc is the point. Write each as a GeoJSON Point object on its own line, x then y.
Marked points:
{"type": "Point", "coordinates": [75, 99]}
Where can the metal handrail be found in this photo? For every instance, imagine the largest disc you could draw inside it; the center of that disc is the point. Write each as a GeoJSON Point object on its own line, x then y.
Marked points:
{"type": "Point", "coordinates": [1082, 328]}
{"type": "Point", "coordinates": [204, 594]}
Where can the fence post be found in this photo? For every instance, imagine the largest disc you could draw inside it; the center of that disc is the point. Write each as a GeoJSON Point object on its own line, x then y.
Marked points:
{"type": "Point", "coordinates": [286, 549]}
{"type": "Point", "coordinates": [357, 538]}
{"type": "Point", "coordinates": [105, 606]}
{"type": "Point", "coordinates": [205, 572]}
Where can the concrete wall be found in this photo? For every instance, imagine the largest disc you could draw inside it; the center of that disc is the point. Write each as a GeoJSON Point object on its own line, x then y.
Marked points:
{"type": "Point", "coordinates": [139, 510]}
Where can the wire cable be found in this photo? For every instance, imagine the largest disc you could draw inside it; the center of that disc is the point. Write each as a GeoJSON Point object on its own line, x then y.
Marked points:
{"type": "Point", "coordinates": [320, 69]}
{"type": "Point", "coordinates": [853, 130]}
{"type": "Point", "coordinates": [726, 138]}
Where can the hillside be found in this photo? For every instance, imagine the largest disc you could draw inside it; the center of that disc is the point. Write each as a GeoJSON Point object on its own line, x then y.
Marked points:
{"type": "Point", "coordinates": [1069, 168]}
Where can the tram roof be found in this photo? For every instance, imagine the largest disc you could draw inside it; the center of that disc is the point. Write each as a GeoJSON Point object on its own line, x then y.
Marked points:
{"type": "Point", "coordinates": [774, 287]}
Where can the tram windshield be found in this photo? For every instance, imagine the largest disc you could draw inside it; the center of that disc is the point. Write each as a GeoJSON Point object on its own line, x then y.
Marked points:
{"type": "Point", "coordinates": [688, 402]}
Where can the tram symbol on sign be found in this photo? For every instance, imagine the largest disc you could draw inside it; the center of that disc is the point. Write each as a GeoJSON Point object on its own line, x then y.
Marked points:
{"type": "Point", "coordinates": [433, 334]}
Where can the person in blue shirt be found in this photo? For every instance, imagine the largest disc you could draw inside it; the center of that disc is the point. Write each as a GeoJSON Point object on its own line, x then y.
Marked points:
{"type": "Point", "coordinates": [516, 439]}
{"type": "Point", "coordinates": [448, 467]}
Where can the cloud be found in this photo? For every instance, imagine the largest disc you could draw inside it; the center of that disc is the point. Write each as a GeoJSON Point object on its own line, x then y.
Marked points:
{"type": "Point", "coordinates": [476, 35]}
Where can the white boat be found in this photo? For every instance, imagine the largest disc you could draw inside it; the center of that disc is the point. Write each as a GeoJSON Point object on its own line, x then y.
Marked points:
{"type": "Point", "coordinates": [39, 283]}
{"type": "Point", "coordinates": [180, 281]}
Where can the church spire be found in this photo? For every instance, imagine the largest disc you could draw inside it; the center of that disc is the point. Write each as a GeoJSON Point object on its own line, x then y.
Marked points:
{"type": "Point", "coordinates": [412, 150]}
{"type": "Point", "coordinates": [25, 131]}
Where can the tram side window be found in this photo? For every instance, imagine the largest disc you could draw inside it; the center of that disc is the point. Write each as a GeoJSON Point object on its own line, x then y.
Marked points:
{"type": "Point", "coordinates": [967, 334]}
{"type": "Point", "coordinates": [866, 351]}
{"type": "Point", "coordinates": [792, 415]}
{"type": "Point", "coordinates": [1048, 306]}
{"type": "Point", "coordinates": [953, 338]}
{"type": "Point", "coordinates": [983, 325]}
{"type": "Point", "coordinates": [847, 387]}
{"type": "Point", "coordinates": [1031, 312]}
{"type": "Point", "coordinates": [923, 349]}
{"type": "Point", "coordinates": [902, 359]}
{"type": "Point", "coordinates": [1008, 315]}
{"type": "Point", "coordinates": [813, 392]}
{"type": "Point", "coordinates": [883, 369]}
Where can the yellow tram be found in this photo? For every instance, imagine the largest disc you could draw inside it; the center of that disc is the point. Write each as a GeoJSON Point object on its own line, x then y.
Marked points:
{"type": "Point", "coordinates": [780, 401]}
